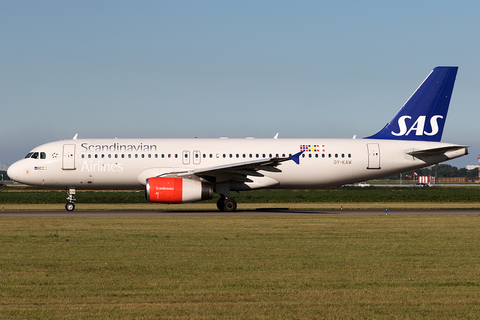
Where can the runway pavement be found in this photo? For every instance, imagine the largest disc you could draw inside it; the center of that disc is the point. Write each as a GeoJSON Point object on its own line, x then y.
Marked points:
{"type": "Point", "coordinates": [246, 213]}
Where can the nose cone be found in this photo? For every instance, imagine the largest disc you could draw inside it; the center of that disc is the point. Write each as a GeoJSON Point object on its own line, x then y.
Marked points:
{"type": "Point", "coordinates": [13, 171]}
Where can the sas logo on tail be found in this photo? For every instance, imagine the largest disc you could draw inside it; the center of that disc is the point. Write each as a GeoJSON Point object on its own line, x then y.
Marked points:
{"type": "Point", "coordinates": [418, 126]}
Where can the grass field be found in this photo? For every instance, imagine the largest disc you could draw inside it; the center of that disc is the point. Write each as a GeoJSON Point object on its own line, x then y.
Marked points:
{"type": "Point", "coordinates": [384, 267]}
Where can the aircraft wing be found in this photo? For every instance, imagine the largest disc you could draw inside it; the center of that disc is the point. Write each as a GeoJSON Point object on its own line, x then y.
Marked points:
{"type": "Point", "coordinates": [238, 171]}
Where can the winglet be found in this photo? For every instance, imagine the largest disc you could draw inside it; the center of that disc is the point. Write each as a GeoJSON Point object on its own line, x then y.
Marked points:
{"type": "Point", "coordinates": [296, 157]}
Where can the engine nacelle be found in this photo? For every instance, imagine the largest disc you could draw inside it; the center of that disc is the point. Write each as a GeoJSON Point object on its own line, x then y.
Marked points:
{"type": "Point", "coordinates": [177, 190]}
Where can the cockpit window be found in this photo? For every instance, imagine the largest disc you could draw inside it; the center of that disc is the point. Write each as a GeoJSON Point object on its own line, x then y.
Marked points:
{"type": "Point", "coordinates": [36, 155]}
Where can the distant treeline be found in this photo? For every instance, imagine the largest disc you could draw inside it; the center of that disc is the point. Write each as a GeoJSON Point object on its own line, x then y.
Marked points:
{"type": "Point", "coordinates": [4, 174]}
{"type": "Point", "coordinates": [439, 171]}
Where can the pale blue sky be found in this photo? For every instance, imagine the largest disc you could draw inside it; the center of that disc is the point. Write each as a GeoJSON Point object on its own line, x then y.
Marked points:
{"type": "Point", "coordinates": [156, 69]}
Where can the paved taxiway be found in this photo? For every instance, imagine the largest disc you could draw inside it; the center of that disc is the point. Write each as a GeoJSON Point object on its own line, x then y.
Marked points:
{"type": "Point", "coordinates": [247, 213]}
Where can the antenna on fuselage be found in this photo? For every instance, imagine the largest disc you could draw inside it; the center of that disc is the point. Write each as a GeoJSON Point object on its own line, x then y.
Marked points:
{"type": "Point", "coordinates": [276, 136]}
{"type": "Point", "coordinates": [75, 137]}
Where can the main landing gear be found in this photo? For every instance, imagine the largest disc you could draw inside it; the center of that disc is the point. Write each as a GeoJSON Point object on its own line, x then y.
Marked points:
{"type": "Point", "coordinates": [70, 206]}
{"type": "Point", "coordinates": [226, 204]}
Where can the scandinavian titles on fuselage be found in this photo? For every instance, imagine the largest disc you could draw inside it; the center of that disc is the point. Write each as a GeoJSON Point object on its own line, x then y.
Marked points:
{"type": "Point", "coordinates": [99, 166]}
{"type": "Point", "coordinates": [117, 147]}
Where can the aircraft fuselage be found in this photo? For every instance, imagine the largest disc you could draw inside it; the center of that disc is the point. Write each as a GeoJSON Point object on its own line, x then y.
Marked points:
{"type": "Point", "coordinates": [127, 163]}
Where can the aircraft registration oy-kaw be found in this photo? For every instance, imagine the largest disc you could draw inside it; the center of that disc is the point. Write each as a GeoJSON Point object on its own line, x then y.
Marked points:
{"type": "Point", "coordinates": [190, 170]}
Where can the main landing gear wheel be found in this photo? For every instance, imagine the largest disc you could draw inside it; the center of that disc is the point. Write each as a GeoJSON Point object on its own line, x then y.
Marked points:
{"type": "Point", "coordinates": [70, 206]}
{"type": "Point", "coordinates": [229, 205]}
{"type": "Point", "coordinates": [226, 204]}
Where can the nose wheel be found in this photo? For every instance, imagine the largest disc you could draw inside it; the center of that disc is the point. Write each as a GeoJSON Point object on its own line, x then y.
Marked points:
{"type": "Point", "coordinates": [70, 206]}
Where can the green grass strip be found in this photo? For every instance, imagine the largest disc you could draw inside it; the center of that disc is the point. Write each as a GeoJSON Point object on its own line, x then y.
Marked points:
{"type": "Point", "coordinates": [401, 267]}
{"type": "Point", "coordinates": [329, 195]}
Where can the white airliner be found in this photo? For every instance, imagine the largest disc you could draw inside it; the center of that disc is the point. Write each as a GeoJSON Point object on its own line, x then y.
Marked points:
{"type": "Point", "coordinates": [190, 170]}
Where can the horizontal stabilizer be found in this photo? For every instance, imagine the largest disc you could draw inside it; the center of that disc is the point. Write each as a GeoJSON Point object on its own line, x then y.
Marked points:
{"type": "Point", "coordinates": [436, 151]}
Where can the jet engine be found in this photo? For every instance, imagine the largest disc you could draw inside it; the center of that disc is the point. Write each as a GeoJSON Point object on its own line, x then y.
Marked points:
{"type": "Point", "coordinates": [177, 190]}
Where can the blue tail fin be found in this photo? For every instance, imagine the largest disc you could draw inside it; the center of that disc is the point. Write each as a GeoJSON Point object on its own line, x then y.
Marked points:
{"type": "Point", "coordinates": [423, 116]}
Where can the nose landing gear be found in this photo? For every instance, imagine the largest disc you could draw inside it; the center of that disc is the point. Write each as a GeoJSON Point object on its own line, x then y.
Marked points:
{"type": "Point", "coordinates": [70, 206]}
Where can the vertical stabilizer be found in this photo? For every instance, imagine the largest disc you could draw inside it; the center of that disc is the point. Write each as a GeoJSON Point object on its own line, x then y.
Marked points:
{"type": "Point", "coordinates": [423, 116]}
